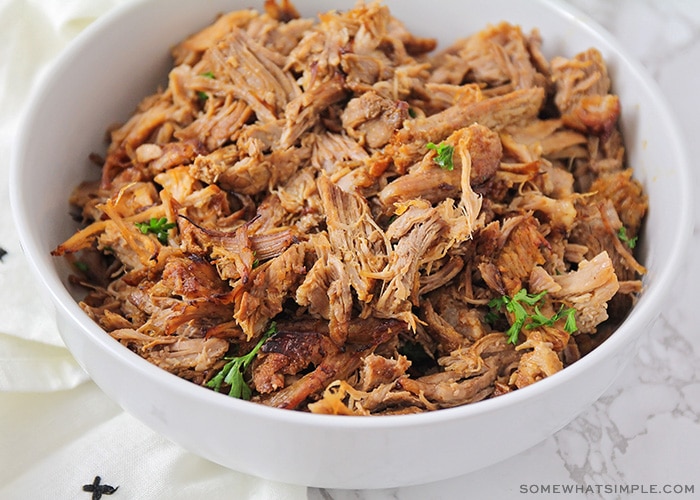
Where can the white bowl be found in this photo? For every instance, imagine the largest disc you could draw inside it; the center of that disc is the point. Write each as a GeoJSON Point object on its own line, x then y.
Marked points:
{"type": "Point", "coordinates": [121, 58]}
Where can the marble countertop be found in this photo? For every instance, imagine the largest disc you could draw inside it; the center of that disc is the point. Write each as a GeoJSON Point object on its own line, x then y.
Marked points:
{"type": "Point", "coordinates": [641, 439]}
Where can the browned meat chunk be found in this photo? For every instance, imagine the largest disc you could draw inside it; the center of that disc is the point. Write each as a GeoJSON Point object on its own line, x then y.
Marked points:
{"type": "Point", "coordinates": [429, 181]}
{"type": "Point", "coordinates": [408, 145]}
{"type": "Point", "coordinates": [270, 284]}
{"type": "Point", "coordinates": [355, 237]}
{"type": "Point", "coordinates": [364, 337]}
{"type": "Point", "coordinates": [582, 93]}
{"type": "Point", "coordinates": [496, 56]}
{"type": "Point", "coordinates": [372, 119]}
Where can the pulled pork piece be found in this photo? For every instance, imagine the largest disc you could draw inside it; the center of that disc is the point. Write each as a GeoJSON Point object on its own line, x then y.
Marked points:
{"type": "Point", "coordinates": [518, 250]}
{"type": "Point", "coordinates": [543, 138]}
{"type": "Point", "coordinates": [561, 214]}
{"type": "Point", "coordinates": [354, 235]}
{"type": "Point", "coordinates": [326, 289]}
{"type": "Point", "coordinates": [285, 12]}
{"type": "Point", "coordinates": [455, 387]}
{"type": "Point", "coordinates": [222, 122]}
{"type": "Point", "coordinates": [269, 286]}
{"type": "Point", "coordinates": [448, 389]}
{"type": "Point", "coordinates": [582, 93]}
{"type": "Point", "coordinates": [292, 349]}
{"type": "Point", "coordinates": [372, 119]}
{"type": "Point", "coordinates": [256, 77]}
{"type": "Point", "coordinates": [597, 228]}
{"type": "Point", "coordinates": [187, 358]}
{"type": "Point", "coordinates": [422, 235]}
{"type": "Point", "coordinates": [451, 323]}
{"type": "Point", "coordinates": [536, 364]}
{"type": "Point", "coordinates": [499, 55]}
{"type": "Point", "coordinates": [303, 112]}
{"type": "Point", "coordinates": [469, 360]}
{"type": "Point", "coordinates": [627, 196]}
{"type": "Point", "coordinates": [340, 398]}
{"type": "Point", "coordinates": [445, 334]}
{"type": "Point", "coordinates": [429, 181]}
{"type": "Point", "coordinates": [363, 338]}
{"type": "Point", "coordinates": [402, 271]}
{"type": "Point", "coordinates": [408, 144]}
{"type": "Point", "coordinates": [588, 290]}
{"type": "Point", "coordinates": [231, 252]}
{"type": "Point", "coordinates": [255, 174]}
{"type": "Point", "coordinates": [340, 207]}
{"type": "Point", "coordinates": [192, 278]}
{"type": "Point", "coordinates": [190, 50]}
{"type": "Point", "coordinates": [173, 154]}
{"type": "Point", "coordinates": [378, 370]}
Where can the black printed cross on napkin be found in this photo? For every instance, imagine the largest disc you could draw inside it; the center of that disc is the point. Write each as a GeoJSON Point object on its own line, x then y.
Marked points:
{"type": "Point", "coordinates": [98, 489]}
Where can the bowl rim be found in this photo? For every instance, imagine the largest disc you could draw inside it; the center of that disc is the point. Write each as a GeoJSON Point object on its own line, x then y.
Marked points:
{"type": "Point", "coordinates": [639, 317]}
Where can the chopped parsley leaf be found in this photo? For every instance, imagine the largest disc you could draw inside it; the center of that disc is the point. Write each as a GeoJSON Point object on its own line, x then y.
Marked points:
{"type": "Point", "coordinates": [622, 234]}
{"type": "Point", "coordinates": [539, 319]}
{"type": "Point", "coordinates": [514, 305]}
{"type": "Point", "coordinates": [232, 372]}
{"type": "Point", "coordinates": [443, 156]}
{"type": "Point", "coordinates": [159, 227]}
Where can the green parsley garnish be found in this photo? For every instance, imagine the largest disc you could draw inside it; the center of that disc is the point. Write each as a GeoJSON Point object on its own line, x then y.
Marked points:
{"type": "Point", "coordinates": [159, 227]}
{"type": "Point", "coordinates": [443, 155]}
{"type": "Point", "coordinates": [201, 94]}
{"type": "Point", "coordinates": [622, 234]}
{"type": "Point", "coordinates": [232, 372]}
{"type": "Point", "coordinates": [539, 319]}
{"type": "Point", "coordinates": [256, 261]}
{"type": "Point", "coordinates": [81, 266]}
{"type": "Point", "coordinates": [570, 323]}
{"type": "Point", "coordinates": [514, 305]}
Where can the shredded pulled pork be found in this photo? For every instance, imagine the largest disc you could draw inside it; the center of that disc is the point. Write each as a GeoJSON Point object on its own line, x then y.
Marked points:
{"type": "Point", "coordinates": [371, 197]}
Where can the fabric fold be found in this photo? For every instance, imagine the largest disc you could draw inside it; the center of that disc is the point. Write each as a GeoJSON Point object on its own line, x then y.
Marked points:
{"type": "Point", "coordinates": [30, 366]}
{"type": "Point", "coordinates": [62, 441]}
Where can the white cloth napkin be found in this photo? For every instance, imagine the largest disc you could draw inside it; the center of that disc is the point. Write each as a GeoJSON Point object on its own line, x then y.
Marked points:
{"type": "Point", "coordinates": [58, 431]}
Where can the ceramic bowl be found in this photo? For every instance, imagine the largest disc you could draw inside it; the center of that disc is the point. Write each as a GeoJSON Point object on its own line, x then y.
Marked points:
{"type": "Point", "coordinates": [122, 57]}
